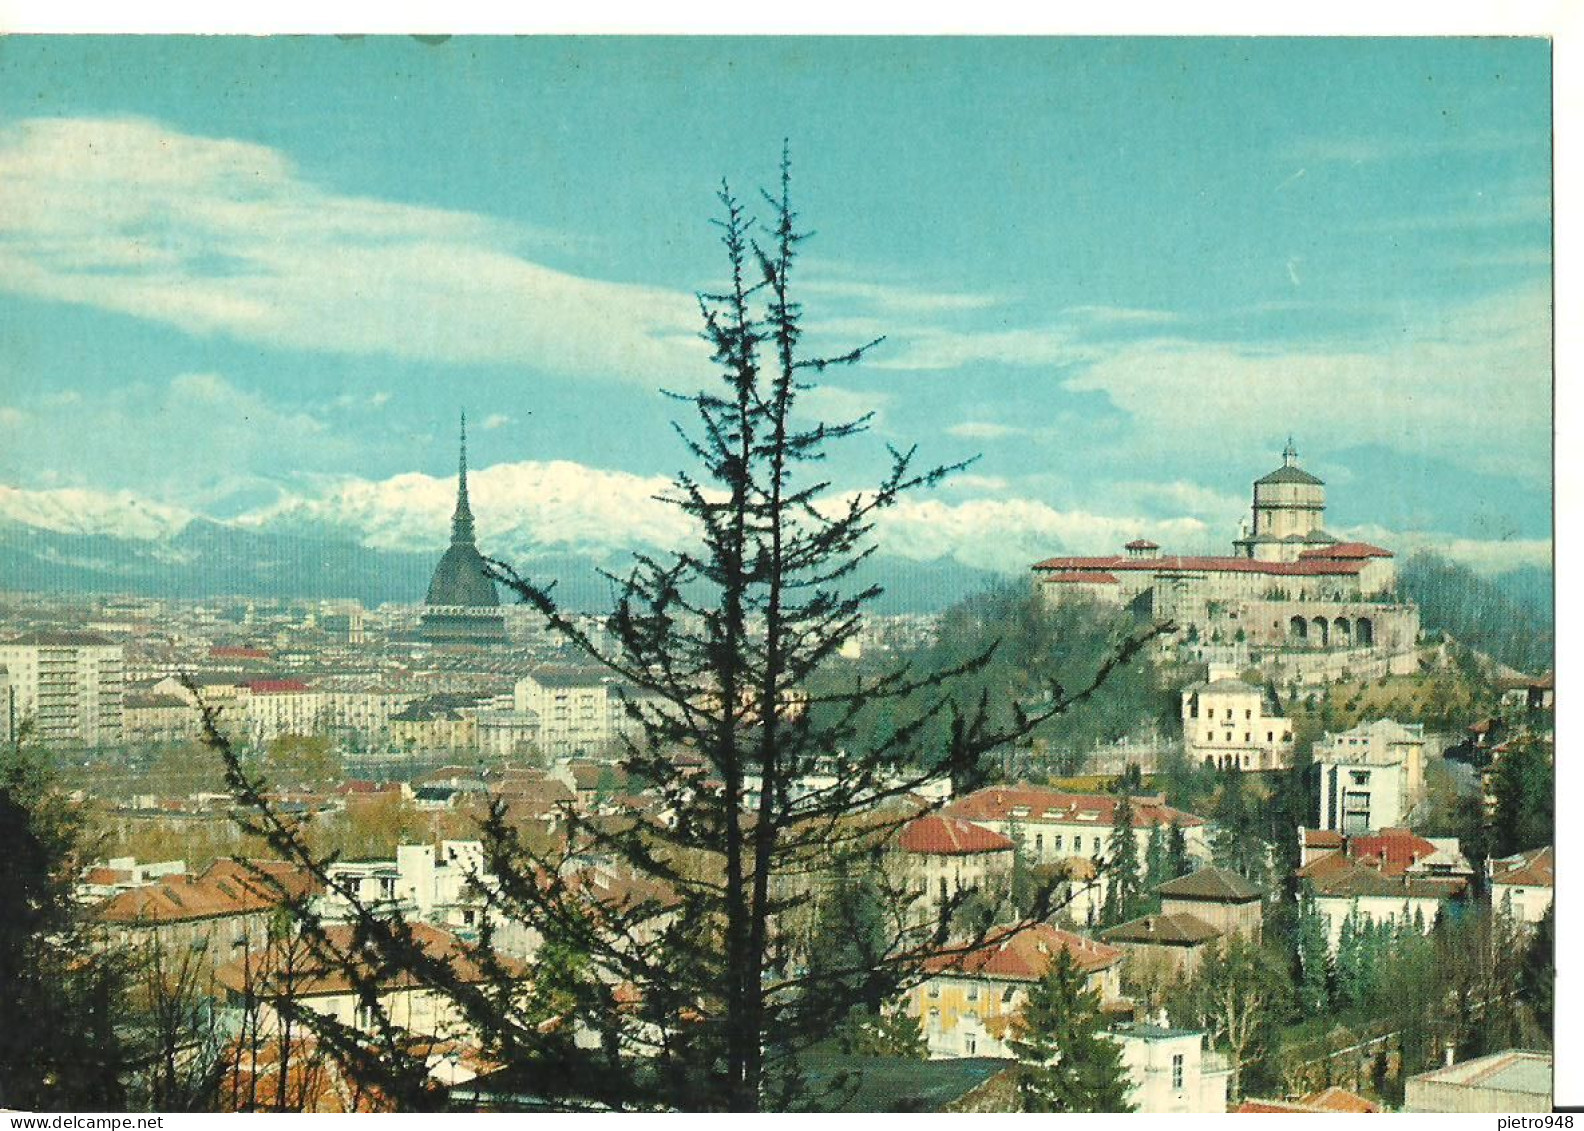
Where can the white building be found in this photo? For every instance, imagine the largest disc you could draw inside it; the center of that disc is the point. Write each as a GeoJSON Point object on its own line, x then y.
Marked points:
{"type": "Point", "coordinates": [1523, 885]}
{"type": "Point", "coordinates": [1171, 1071]}
{"type": "Point", "coordinates": [69, 684]}
{"type": "Point", "coordinates": [1227, 722]}
{"type": "Point", "coordinates": [1053, 825]}
{"type": "Point", "coordinates": [275, 708]}
{"type": "Point", "coordinates": [946, 856]}
{"type": "Point", "coordinates": [578, 712]}
{"type": "Point", "coordinates": [1370, 776]}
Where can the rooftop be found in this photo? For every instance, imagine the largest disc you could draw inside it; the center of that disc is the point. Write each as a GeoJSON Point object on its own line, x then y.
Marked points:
{"type": "Point", "coordinates": [1162, 930]}
{"type": "Point", "coordinates": [1041, 803]}
{"type": "Point", "coordinates": [1217, 884]}
{"type": "Point", "coordinates": [1025, 955]}
{"type": "Point", "coordinates": [950, 836]}
{"type": "Point", "coordinates": [1516, 1070]}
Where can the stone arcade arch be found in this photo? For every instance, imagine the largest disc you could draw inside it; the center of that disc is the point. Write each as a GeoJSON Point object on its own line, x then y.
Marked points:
{"type": "Point", "coordinates": [1298, 629]}
{"type": "Point", "coordinates": [1364, 631]}
{"type": "Point", "coordinates": [1322, 632]}
{"type": "Point", "coordinates": [1343, 631]}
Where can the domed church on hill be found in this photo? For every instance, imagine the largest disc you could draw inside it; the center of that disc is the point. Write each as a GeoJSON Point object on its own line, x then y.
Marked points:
{"type": "Point", "coordinates": [1288, 585]}
{"type": "Point", "coordinates": [462, 606]}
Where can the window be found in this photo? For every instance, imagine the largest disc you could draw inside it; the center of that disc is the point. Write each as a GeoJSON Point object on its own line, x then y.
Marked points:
{"type": "Point", "coordinates": [1006, 995]}
{"type": "Point", "coordinates": [970, 1044]}
{"type": "Point", "coordinates": [934, 989]}
{"type": "Point", "coordinates": [1270, 736]}
{"type": "Point", "coordinates": [1039, 842]}
{"type": "Point", "coordinates": [1229, 736]}
{"type": "Point", "coordinates": [973, 992]}
{"type": "Point", "coordinates": [934, 1016]}
{"type": "Point", "coordinates": [1209, 736]}
{"type": "Point", "coordinates": [1247, 736]}
{"type": "Point", "coordinates": [1248, 714]}
{"type": "Point", "coordinates": [1177, 1072]}
{"type": "Point", "coordinates": [1058, 842]}
{"type": "Point", "coordinates": [1077, 844]}
{"type": "Point", "coordinates": [364, 1018]}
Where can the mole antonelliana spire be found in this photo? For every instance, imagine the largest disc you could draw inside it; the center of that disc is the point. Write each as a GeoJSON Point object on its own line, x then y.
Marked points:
{"type": "Point", "coordinates": [462, 606]}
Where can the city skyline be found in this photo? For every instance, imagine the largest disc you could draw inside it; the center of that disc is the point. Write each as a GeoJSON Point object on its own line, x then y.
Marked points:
{"type": "Point", "coordinates": [256, 279]}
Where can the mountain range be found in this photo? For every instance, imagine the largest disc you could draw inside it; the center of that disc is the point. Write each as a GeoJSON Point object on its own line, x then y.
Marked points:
{"type": "Point", "coordinates": [205, 558]}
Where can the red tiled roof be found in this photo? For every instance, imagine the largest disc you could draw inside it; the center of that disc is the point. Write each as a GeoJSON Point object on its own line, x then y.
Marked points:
{"type": "Point", "coordinates": [1345, 550]}
{"type": "Point", "coordinates": [227, 887]}
{"type": "Point", "coordinates": [276, 686]}
{"type": "Point", "coordinates": [1313, 567]}
{"type": "Point", "coordinates": [301, 965]}
{"type": "Point", "coordinates": [1273, 1107]}
{"type": "Point", "coordinates": [1535, 868]}
{"type": "Point", "coordinates": [951, 836]}
{"type": "Point", "coordinates": [1339, 1099]}
{"type": "Point", "coordinates": [997, 803]}
{"type": "Point", "coordinates": [1322, 838]}
{"type": "Point", "coordinates": [227, 652]}
{"type": "Point", "coordinates": [1081, 577]}
{"type": "Point", "coordinates": [1025, 955]}
{"type": "Point", "coordinates": [104, 876]}
{"type": "Point", "coordinates": [1397, 849]}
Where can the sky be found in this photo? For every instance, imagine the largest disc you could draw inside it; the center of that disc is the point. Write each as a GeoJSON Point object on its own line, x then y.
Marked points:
{"type": "Point", "coordinates": [257, 280]}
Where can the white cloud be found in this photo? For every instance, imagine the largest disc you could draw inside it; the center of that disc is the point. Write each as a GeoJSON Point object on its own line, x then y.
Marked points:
{"type": "Point", "coordinates": [889, 298]}
{"type": "Point", "coordinates": [934, 348]}
{"type": "Point", "coordinates": [216, 236]}
{"type": "Point", "coordinates": [12, 417]}
{"type": "Point", "coordinates": [177, 439]}
{"type": "Point", "coordinates": [496, 420]}
{"type": "Point", "coordinates": [1010, 535]}
{"type": "Point", "coordinates": [834, 404]}
{"type": "Point", "coordinates": [1471, 379]}
{"type": "Point", "coordinates": [1482, 555]}
{"type": "Point", "coordinates": [984, 430]}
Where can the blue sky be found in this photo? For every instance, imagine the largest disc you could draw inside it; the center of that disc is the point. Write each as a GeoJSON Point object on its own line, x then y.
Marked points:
{"type": "Point", "coordinates": [255, 279]}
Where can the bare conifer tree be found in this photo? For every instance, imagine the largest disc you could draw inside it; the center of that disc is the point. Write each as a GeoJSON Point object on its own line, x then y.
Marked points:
{"type": "Point", "coordinates": [666, 976]}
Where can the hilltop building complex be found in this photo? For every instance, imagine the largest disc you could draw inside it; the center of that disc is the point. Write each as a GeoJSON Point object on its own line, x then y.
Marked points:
{"type": "Point", "coordinates": [1288, 590]}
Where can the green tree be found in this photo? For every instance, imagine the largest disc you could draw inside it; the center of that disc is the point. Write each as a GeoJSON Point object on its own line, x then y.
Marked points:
{"type": "Point", "coordinates": [729, 648]}
{"type": "Point", "coordinates": [1238, 842]}
{"type": "Point", "coordinates": [1157, 865]}
{"type": "Point", "coordinates": [1237, 995]}
{"type": "Point", "coordinates": [1178, 862]}
{"type": "Point", "coordinates": [60, 998]}
{"type": "Point", "coordinates": [294, 760]}
{"type": "Point", "coordinates": [887, 1032]}
{"type": "Point", "coordinates": [1068, 1062]}
{"type": "Point", "coordinates": [1124, 881]}
{"type": "Point", "coordinates": [1537, 975]}
{"type": "Point", "coordinates": [1313, 958]}
{"type": "Point", "coordinates": [1524, 789]}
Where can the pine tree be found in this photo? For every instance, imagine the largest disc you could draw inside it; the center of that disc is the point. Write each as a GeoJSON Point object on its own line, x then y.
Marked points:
{"type": "Point", "coordinates": [1177, 859]}
{"type": "Point", "coordinates": [1157, 866]}
{"type": "Point", "coordinates": [1068, 1063]}
{"type": "Point", "coordinates": [60, 999]}
{"type": "Point", "coordinates": [1537, 975]}
{"type": "Point", "coordinates": [1313, 958]}
{"type": "Point", "coordinates": [1124, 883]}
{"type": "Point", "coordinates": [724, 648]}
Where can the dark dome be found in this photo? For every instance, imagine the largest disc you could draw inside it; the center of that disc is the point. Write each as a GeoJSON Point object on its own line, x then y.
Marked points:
{"type": "Point", "coordinates": [1289, 475]}
{"type": "Point", "coordinates": [459, 579]}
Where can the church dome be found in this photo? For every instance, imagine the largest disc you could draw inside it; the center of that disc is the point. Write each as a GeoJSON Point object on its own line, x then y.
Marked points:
{"type": "Point", "coordinates": [459, 579]}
